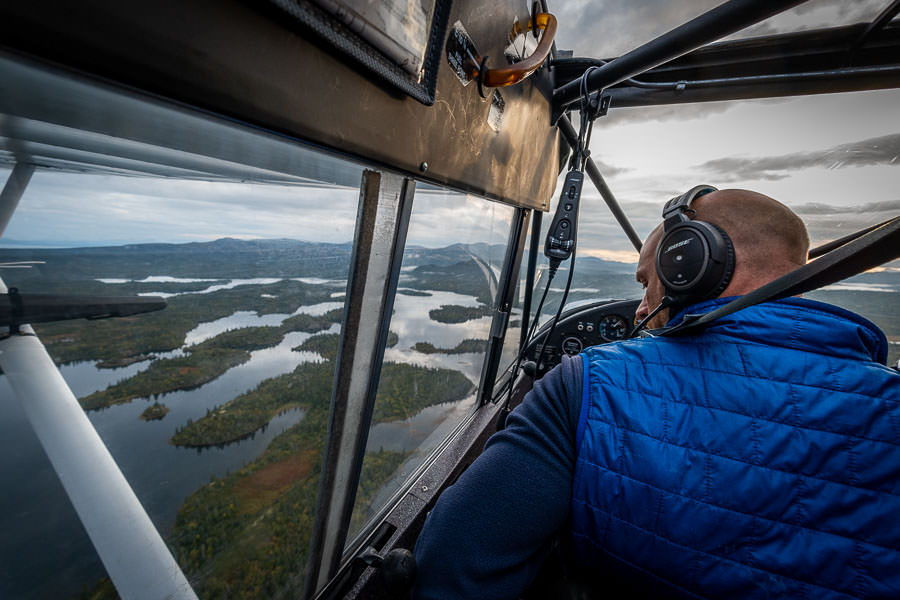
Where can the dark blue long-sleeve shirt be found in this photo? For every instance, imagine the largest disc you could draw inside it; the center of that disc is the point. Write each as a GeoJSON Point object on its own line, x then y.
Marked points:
{"type": "Point", "coordinates": [470, 548]}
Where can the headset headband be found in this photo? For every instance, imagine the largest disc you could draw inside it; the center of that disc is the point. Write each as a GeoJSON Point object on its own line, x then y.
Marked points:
{"type": "Point", "coordinates": [679, 205]}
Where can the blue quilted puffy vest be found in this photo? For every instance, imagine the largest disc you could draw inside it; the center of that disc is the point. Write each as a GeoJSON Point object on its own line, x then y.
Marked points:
{"type": "Point", "coordinates": [759, 459]}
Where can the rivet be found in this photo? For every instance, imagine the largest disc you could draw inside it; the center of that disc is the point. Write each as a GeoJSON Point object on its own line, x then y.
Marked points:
{"type": "Point", "coordinates": [424, 488]}
{"type": "Point", "coordinates": [424, 166]}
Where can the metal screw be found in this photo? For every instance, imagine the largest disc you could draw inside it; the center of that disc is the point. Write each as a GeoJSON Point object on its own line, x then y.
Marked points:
{"type": "Point", "coordinates": [424, 166]}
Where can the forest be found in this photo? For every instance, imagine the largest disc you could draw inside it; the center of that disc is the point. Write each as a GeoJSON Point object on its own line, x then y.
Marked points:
{"type": "Point", "coordinates": [465, 346]}
{"type": "Point", "coordinates": [451, 313]}
{"type": "Point", "coordinates": [247, 535]}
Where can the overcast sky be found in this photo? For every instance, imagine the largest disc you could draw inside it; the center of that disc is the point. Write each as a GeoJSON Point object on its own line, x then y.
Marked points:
{"type": "Point", "coordinates": [833, 159]}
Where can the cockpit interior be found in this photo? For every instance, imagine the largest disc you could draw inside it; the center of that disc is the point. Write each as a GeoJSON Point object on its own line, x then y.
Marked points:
{"type": "Point", "coordinates": [273, 271]}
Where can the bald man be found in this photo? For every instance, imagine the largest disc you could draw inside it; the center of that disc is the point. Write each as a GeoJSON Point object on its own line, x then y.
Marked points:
{"type": "Point", "coordinates": [769, 241]}
{"type": "Point", "coordinates": [757, 459]}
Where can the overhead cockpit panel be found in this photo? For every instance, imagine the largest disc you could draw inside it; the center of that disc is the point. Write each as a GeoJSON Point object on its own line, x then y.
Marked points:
{"type": "Point", "coordinates": [257, 64]}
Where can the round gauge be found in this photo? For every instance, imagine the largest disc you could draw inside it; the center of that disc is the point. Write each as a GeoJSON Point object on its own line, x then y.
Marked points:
{"type": "Point", "coordinates": [572, 346]}
{"type": "Point", "coordinates": [612, 328]}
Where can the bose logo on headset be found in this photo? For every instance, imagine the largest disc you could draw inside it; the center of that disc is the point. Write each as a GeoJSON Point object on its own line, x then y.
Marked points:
{"type": "Point", "coordinates": [678, 245]}
{"type": "Point", "coordinates": [703, 269]}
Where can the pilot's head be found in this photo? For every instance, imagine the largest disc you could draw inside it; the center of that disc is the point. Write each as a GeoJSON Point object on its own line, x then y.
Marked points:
{"type": "Point", "coordinates": [769, 241]}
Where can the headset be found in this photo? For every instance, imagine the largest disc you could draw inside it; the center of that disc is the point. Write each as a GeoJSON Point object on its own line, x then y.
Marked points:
{"type": "Point", "coordinates": [695, 259]}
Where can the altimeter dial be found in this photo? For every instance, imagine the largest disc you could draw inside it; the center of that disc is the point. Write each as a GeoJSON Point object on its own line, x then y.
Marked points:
{"type": "Point", "coordinates": [612, 328]}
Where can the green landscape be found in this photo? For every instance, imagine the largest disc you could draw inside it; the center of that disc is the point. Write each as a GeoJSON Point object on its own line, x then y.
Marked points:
{"type": "Point", "coordinates": [155, 412]}
{"type": "Point", "coordinates": [205, 361]}
{"type": "Point", "coordinates": [246, 534]}
{"type": "Point", "coordinates": [116, 341]}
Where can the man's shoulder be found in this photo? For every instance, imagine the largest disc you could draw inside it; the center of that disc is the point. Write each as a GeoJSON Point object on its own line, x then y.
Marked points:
{"type": "Point", "coordinates": [784, 309]}
{"type": "Point", "coordinates": [638, 350]}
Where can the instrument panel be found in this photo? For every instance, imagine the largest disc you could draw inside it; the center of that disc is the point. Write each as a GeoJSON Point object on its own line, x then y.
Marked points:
{"type": "Point", "coordinates": [579, 328]}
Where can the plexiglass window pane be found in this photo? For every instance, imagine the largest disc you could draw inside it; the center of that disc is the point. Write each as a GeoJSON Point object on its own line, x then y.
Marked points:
{"type": "Point", "coordinates": [214, 408]}
{"type": "Point", "coordinates": [438, 333]}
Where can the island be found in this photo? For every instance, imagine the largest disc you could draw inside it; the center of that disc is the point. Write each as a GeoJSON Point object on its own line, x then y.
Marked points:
{"type": "Point", "coordinates": [154, 412]}
{"type": "Point", "coordinates": [403, 391]}
{"type": "Point", "coordinates": [464, 347]}
{"type": "Point", "coordinates": [113, 340]}
{"type": "Point", "coordinates": [451, 313]}
{"type": "Point", "coordinates": [246, 534]}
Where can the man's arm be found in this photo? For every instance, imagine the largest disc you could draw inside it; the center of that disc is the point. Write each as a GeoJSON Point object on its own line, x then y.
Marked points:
{"type": "Point", "coordinates": [490, 531]}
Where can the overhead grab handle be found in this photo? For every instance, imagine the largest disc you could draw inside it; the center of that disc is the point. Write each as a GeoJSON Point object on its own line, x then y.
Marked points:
{"type": "Point", "coordinates": [513, 74]}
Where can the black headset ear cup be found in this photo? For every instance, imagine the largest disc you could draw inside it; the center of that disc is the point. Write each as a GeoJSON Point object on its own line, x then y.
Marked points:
{"type": "Point", "coordinates": [725, 254]}
{"type": "Point", "coordinates": [695, 261]}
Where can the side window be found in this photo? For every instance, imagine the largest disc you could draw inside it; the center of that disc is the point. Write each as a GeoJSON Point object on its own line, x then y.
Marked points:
{"type": "Point", "coordinates": [872, 294]}
{"type": "Point", "coordinates": [214, 408]}
{"type": "Point", "coordinates": [438, 333]}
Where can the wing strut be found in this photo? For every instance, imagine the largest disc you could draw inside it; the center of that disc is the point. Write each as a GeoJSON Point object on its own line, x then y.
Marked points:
{"type": "Point", "coordinates": [135, 556]}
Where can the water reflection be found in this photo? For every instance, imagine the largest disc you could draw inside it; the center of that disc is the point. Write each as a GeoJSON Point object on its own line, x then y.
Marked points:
{"type": "Point", "coordinates": [412, 323]}
{"type": "Point", "coordinates": [230, 283]}
{"type": "Point", "coordinates": [86, 378]}
{"type": "Point", "coordinates": [237, 320]}
{"type": "Point", "coordinates": [421, 432]}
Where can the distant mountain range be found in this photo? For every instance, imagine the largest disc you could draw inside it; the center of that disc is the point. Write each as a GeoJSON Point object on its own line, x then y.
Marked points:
{"type": "Point", "coordinates": [225, 258]}
{"type": "Point", "coordinates": [229, 258]}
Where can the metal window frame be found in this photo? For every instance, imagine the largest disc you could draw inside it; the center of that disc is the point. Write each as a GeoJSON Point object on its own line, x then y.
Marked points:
{"type": "Point", "coordinates": [503, 303]}
{"type": "Point", "coordinates": [381, 228]}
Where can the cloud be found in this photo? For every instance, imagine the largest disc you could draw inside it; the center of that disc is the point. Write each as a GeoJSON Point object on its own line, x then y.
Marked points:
{"type": "Point", "coordinates": [622, 256]}
{"type": "Point", "coordinates": [89, 209]}
{"type": "Point", "coordinates": [815, 208]}
{"type": "Point", "coordinates": [609, 170]}
{"type": "Point", "coordinates": [827, 222]}
{"type": "Point", "coordinates": [608, 29]}
{"type": "Point", "coordinates": [884, 150]}
{"type": "Point", "coordinates": [99, 209]}
{"type": "Point", "coordinates": [673, 112]}
{"type": "Point", "coordinates": [816, 14]}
